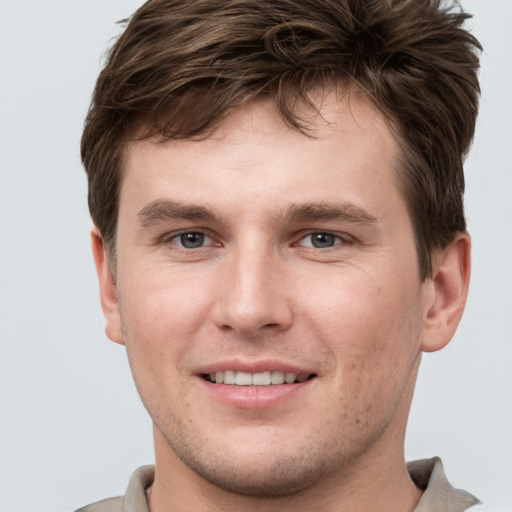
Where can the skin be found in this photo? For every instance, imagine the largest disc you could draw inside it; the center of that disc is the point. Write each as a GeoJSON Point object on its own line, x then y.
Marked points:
{"type": "Point", "coordinates": [261, 292]}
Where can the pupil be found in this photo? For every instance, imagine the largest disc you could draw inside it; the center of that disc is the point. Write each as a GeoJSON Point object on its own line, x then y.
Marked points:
{"type": "Point", "coordinates": [322, 240]}
{"type": "Point", "coordinates": [192, 240]}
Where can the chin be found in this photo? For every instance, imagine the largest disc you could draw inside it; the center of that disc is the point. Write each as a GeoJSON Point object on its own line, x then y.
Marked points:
{"type": "Point", "coordinates": [261, 470]}
{"type": "Point", "coordinates": [284, 476]}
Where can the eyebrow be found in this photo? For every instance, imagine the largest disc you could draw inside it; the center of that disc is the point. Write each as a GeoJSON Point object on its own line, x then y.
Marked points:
{"type": "Point", "coordinates": [346, 212]}
{"type": "Point", "coordinates": [165, 210]}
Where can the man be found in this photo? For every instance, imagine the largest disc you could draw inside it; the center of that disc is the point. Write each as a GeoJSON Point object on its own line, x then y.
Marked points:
{"type": "Point", "coordinates": [277, 193]}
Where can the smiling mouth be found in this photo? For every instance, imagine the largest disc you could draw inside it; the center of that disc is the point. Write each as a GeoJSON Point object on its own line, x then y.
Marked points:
{"type": "Point", "coordinates": [239, 378]}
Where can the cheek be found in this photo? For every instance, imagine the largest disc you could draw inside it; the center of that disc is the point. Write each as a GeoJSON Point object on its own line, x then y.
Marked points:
{"type": "Point", "coordinates": [168, 303]}
{"type": "Point", "coordinates": [161, 313]}
{"type": "Point", "coordinates": [370, 324]}
{"type": "Point", "coordinates": [373, 339]}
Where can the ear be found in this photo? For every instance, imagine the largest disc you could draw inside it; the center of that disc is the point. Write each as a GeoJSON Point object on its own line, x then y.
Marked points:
{"type": "Point", "coordinates": [447, 293]}
{"type": "Point", "coordinates": [108, 289]}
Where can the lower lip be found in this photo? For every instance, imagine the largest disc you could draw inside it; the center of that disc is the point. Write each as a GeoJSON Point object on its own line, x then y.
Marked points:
{"type": "Point", "coordinates": [255, 397]}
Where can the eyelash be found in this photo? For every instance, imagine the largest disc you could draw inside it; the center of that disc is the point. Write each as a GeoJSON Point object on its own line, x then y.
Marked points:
{"type": "Point", "coordinates": [338, 239]}
{"type": "Point", "coordinates": [175, 237]}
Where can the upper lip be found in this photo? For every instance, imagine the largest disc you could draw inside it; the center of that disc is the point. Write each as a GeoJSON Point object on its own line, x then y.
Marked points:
{"type": "Point", "coordinates": [270, 365]}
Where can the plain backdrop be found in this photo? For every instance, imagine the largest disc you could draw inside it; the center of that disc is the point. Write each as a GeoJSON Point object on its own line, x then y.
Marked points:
{"type": "Point", "coordinates": [72, 428]}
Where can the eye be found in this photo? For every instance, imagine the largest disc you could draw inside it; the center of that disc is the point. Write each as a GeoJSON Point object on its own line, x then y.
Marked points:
{"type": "Point", "coordinates": [191, 239]}
{"type": "Point", "coordinates": [321, 240]}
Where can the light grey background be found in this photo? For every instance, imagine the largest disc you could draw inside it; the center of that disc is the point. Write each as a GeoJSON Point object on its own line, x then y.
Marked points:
{"type": "Point", "coordinates": [71, 425]}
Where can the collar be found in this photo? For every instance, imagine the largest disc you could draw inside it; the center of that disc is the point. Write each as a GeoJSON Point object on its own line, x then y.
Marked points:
{"type": "Point", "coordinates": [427, 474]}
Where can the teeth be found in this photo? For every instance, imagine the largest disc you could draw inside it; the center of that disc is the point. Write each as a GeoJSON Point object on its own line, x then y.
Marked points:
{"type": "Point", "coordinates": [229, 377]}
{"type": "Point", "coordinates": [257, 379]}
{"type": "Point", "coordinates": [289, 377]}
{"type": "Point", "coordinates": [242, 379]}
{"type": "Point", "coordinates": [261, 379]}
{"type": "Point", "coordinates": [277, 378]}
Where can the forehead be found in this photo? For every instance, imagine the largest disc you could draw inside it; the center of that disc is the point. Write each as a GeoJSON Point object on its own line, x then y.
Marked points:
{"type": "Point", "coordinates": [348, 148]}
{"type": "Point", "coordinates": [349, 118]}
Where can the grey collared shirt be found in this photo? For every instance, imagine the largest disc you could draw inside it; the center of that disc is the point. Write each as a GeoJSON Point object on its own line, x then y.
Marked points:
{"type": "Point", "coordinates": [427, 474]}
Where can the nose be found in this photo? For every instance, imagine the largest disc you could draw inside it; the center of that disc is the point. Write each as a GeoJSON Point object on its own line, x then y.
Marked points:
{"type": "Point", "coordinates": [253, 297]}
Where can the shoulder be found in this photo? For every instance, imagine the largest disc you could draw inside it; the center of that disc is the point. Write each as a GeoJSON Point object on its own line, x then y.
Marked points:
{"type": "Point", "coordinates": [107, 505]}
{"type": "Point", "coordinates": [134, 498]}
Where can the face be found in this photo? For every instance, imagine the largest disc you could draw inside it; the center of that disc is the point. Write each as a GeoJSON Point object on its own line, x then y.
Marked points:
{"type": "Point", "coordinates": [269, 296]}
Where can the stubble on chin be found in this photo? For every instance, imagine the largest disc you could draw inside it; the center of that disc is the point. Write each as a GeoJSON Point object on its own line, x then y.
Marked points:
{"type": "Point", "coordinates": [279, 475]}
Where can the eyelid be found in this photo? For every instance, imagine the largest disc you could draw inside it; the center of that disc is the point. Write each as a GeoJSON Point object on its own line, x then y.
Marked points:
{"type": "Point", "coordinates": [171, 237]}
{"type": "Point", "coordinates": [344, 238]}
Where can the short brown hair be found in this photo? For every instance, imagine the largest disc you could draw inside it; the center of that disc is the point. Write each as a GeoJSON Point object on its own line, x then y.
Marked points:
{"type": "Point", "coordinates": [181, 66]}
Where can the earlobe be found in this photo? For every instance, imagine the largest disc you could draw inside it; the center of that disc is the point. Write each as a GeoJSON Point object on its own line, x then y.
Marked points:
{"type": "Point", "coordinates": [448, 290]}
{"type": "Point", "coordinates": [108, 289]}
